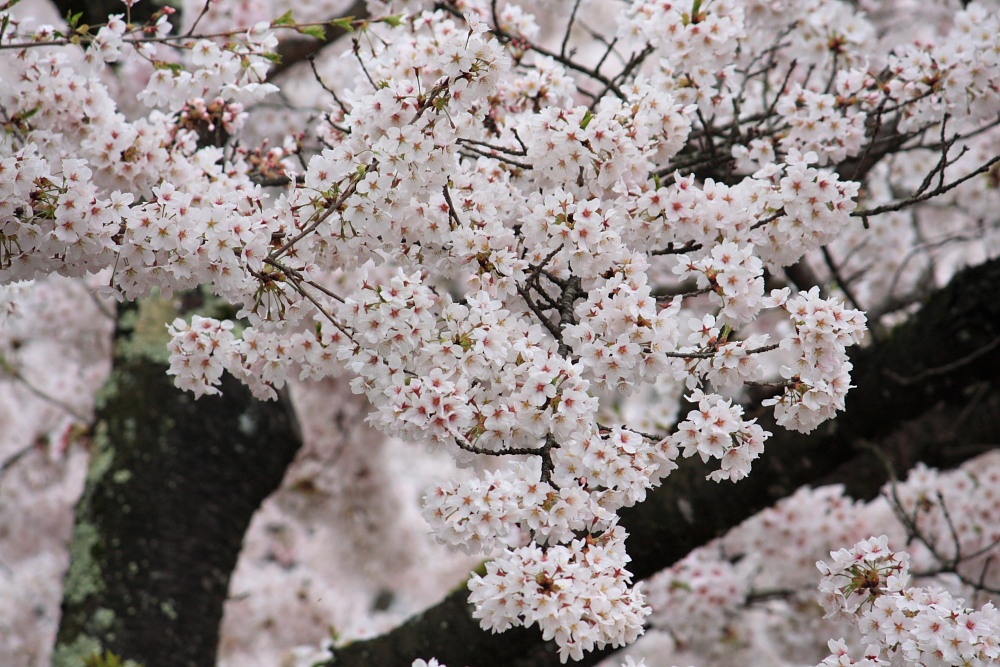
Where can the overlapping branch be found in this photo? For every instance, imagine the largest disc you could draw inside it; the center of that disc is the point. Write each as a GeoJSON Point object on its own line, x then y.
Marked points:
{"type": "Point", "coordinates": [689, 511]}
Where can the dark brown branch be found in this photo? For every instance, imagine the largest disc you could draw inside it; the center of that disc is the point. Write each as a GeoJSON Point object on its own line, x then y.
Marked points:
{"type": "Point", "coordinates": [569, 28]}
{"type": "Point", "coordinates": [507, 38]}
{"type": "Point", "coordinates": [837, 276]}
{"type": "Point", "coordinates": [930, 194]}
{"type": "Point", "coordinates": [502, 158]}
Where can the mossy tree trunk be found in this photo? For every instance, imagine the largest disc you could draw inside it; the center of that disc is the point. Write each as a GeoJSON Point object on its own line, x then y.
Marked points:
{"type": "Point", "coordinates": [172, 486]}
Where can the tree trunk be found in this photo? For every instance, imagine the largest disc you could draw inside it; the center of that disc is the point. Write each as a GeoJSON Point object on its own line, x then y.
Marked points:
{"type": "Point", "coordinates": [172, 485]}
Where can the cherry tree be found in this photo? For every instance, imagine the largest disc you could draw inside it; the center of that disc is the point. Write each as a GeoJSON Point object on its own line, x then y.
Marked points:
{"type": "Point", "coordinates": [622, 277]}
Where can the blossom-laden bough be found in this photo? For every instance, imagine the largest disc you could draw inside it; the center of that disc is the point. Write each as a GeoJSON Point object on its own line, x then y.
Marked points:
{"type": "Point", "coordinates": [571, 250]}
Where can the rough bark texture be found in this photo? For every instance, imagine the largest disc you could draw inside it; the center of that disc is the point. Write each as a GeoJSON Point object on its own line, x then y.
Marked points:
{"type": "Point", "coordinates": [928, 392]}
{"type": "Point", "coordinates": [172, 485]}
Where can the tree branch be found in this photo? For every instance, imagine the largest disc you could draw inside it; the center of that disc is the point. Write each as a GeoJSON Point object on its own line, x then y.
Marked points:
{"type": "Point", "coordinates": [295, 50]}
{"type": "Point", "coordinates": [688, 511]}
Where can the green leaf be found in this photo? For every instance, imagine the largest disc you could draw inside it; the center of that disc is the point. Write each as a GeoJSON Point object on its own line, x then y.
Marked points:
{"type": "Point", "coordinates": [587, 117]}
{"type": "Point", "coordinates": [173, 67]}
{"type": "Point", "coordinates": [313, 31]}
{"type": "Point", "coordinates": [73, 19]}
{"type": "Point", "coordinates": [273, 57]}
{"type": "Point", "coordinates": [284, 19]}
{"type": "Point", "coordinates": [683, 585]}
{"type": "Point", "coordinates": [346, 24]}
{"type": "Point", "coordinates": [394, 21]}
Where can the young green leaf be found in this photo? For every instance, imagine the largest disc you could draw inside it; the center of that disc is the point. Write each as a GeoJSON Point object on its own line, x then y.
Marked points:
{"type": "Point", "coordinates": [284, 19]}
{"type": "Point", "coordinates": [346, 23]}
{"type": "Point", "coordinates": [313, 31]}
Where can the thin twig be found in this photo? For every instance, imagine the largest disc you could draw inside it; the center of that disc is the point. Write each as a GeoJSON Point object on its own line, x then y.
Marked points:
{"type": "Point", "coordinates": [569, 28]}
{"type": "Point", "coordinates": [916, 199]}
{"type": "Point", "coordinates": [944, 368]}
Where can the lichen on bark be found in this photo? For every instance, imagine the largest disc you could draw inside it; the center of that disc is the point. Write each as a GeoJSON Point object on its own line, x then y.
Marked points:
{"type": "Point", "coordinates": [172, 486]}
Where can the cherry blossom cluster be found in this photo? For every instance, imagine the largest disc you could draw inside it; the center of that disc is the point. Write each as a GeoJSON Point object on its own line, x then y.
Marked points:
{"type": "Point", "coordinates": [695, 599]}
{"type": "Point", "coordinates": [212, 115]}
{"type": "Point", "coordinates": [197, 351]}
{"type": "Point", "coordinates": [736, 276]}
{"type": "Point", "coordinates": [108, 41]}
{"type": "Point", "coordinates": [754, 590]}
{"type": "Point", "coordinates": [481, 514]}
{"type": "Point", "coordinates": [237, 74]}
{"type": "Point", "coordinates": [820, 376]}
{"type": "Point", "coordinates": [501, 509]}
{"type": "Point", "coordinates": [614, 144]}
{"type": "Point", "coordinates": [843, 129]}
{"type": "Point", "coordinates": [934, 80]}
{"type": "Point", "coordinates": [624, 337]}
{"type": "Point", "coordinates": [617, 466]}
{"type": "Point", "coordinates": [696, 42]}
{"type": "Point", "coordinates": [54, 215]}
{"type": "Point", "coordinates": [827, 31]}
{"type": "Point", "coordinates": [201, 350]}
{"type": "Point", "coordinates": [460, 370]}
{"type": "Point", "coordinates": [65, 217]}
{"type": "Point", "coordinates": [785, 209]}
{"type": "Point", "coordinates": [815, 205]}
{"type": "Point", "coordinates": [716, 429]}
{"type": "Point", "coordinates": [735, 364]}
{"type": "Point", "coordinates": [840, 656]}
{"type": "Point", "coordinates": [578, 594]}
{"type": "Point", "coordinates": [506, 246]}
{"type": "Point", "coordinates": [923, 625]}
{"type": "Point", "coordinates": [830, 124]}
{"type": "Point", "coordinates": [857, 576]}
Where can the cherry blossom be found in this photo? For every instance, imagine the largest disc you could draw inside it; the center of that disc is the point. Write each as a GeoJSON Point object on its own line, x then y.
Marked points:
{"type": "Point", "coordinates": [560, 258]}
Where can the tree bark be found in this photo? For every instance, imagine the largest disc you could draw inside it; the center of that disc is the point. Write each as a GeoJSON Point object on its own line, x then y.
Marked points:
{"type": "Point", "coordinates": [172, 485]}
{"type": "Point", "coordinates": [926, 393]}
